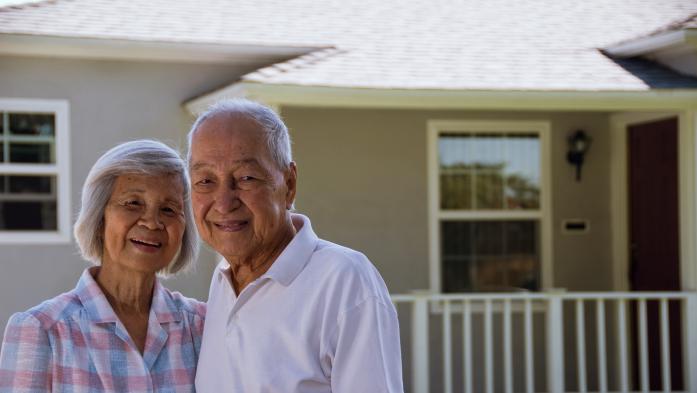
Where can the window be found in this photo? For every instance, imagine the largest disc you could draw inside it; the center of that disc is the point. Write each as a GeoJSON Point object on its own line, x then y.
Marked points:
{"type": "Point", "coordinates": [34, 171]}
{"type": "Point", "coordinates": [489, 206]}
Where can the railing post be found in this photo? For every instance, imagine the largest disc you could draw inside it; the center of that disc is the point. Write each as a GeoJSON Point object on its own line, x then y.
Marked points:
{"type": "Point", "coordinates": [690, 339]}
{"type": "Point", "coordinates": [555, 344]}
{"type": "Point", "coordinates": [419, 343]}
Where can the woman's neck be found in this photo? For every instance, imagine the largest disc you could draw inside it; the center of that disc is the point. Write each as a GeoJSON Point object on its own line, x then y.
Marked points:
{"type": "Point", "coordinates": [128, 292]}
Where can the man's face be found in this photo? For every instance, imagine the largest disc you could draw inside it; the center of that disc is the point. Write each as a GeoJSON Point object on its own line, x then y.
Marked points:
{"type": "Point", "coordinates": [239, 195]}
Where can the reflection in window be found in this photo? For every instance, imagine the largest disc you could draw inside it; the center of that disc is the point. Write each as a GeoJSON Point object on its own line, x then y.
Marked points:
{"type": "Point", "coordinates": [32, 124]}
{"type": "Point", "coordinates": [27, 201]}
{"type": "Point", "coordinates": [489, 172]}
{"type": "Point", "coordinates": [490, 255]}
{"type": "Point", "coordinates": [483, 177]}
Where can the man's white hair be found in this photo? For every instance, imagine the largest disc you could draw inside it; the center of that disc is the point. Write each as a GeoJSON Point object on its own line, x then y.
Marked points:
{"type": "Point", "coordinates": [275, 131]}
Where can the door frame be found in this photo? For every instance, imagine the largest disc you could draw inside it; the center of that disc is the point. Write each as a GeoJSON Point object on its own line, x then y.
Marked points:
{"type": "Point", "coordinates": [687, 197]}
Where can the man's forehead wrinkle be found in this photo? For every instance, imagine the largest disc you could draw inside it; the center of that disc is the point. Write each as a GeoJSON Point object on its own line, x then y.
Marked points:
{"type": "Point", "coordinates": [227, 122]}
{"type": "Point", "coordinates": [241, 162]}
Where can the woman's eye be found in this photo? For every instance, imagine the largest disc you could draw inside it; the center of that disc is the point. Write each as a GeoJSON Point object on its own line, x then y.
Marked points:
{"type": "Point", "coordinates": [131, 203]}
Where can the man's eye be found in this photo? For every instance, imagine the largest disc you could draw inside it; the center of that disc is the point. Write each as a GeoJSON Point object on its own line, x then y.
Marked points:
{"type": "Point", "coordinates": [169, 211]}
{"type": "Point", "coordinates": [247, 178]}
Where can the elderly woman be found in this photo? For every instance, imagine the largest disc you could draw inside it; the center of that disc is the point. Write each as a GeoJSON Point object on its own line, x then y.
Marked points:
{"type": "Point", "coordinates": [119, 329]}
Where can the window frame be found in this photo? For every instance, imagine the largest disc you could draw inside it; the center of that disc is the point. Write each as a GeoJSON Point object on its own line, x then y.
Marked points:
{"type": "Point", "coordinates": [436, 215]}
{"type": "Point", "coordinates": [60, 169]}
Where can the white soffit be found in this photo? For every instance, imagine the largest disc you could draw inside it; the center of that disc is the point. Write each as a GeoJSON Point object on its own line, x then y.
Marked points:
{"type": "Point", "coordinates": [320, 96]}
{"type": "Point", "coordinates": [645, 45]}
{"type": "Point", "coordinates": [93, 48]}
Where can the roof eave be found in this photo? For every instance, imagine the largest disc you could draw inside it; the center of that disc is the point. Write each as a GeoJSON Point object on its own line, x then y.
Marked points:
{"type": "Point", "coordinates": [349, 97]}
{"type": "Point", "coordinates": [658, 42]}
{"type": "Point", "coordinates": [125, 49]}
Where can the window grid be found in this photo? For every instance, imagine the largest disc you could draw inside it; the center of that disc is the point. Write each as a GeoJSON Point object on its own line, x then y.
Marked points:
{"type": "Point", "coordinates": [35, 180]}
{"type": "Point", "coordinates": [531, 201]}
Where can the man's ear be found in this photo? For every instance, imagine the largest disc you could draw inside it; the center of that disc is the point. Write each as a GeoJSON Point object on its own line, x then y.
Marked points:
{"type": "Point", "coordinates": [291, 179]}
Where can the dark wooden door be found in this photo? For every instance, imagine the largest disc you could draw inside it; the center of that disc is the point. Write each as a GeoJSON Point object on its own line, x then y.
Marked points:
{"type": "Point", "coordinates": [654, 235]}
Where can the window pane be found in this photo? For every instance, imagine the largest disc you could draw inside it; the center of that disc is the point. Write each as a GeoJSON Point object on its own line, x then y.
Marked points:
{"type": "Point", "coordinates": [30, 152]}
{"type": "Point", "coordinates": [488, 151]}
{"type": "Point", "coordinates": [489, 191]}
{"type": "Point", "coordinates": [456, 191]}
{"type": "Point", "coordinates": [490, 255]}
{"type": "Point", "coordinates": [32, 124]}
{"type": "Point", "coordinates": [29, 215]}
{"type": "Point", "coordinates": [27, 184]}
{"type": "Point", "coordinates": [483, 171]}
{"type": "Point", "coordinates": [523, 172]}
{"type": "Point", "coordinates": [456, 168]}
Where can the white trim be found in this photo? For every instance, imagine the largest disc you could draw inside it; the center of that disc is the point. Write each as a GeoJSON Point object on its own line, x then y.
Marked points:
{"type": "Point", "coordinates": [322, 96]}
{"type": "Point", "coordinates": [619, 193]}
{"type": "Point", "coordinates": [488, 214]}
{"type": "Point", "coordinates": [435, 215]}
{"type": "Point", "coordinates": [28, 169]}
{"type": "Point", "coordinates": [687, 145]}
{"type": "Point", "coordinates": [121, 49]}
{"type": "Point", "coordinates": [433, 200]}
{"type": "Point", "coordinates": [61, 111]}
{"type": "Point", "coordinates": [652, 43]}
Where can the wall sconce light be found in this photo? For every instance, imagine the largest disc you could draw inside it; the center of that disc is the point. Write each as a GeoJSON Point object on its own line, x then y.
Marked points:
{"type": "Point", "coordinates": [579, 143]}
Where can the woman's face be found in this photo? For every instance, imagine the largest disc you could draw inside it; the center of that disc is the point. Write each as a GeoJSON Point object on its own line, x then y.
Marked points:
{"type": "Point", "coordinates": [143, 222]}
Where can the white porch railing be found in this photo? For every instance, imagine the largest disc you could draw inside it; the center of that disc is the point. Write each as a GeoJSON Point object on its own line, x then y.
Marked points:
{"type": "Point", "coordinates": [616, 353]}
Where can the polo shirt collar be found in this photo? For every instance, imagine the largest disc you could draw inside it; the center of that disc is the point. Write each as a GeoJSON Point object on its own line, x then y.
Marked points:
{"type": "Point", "coordinates": [296, 254]}
{"type": "Point", "coordinates": [99, 310]}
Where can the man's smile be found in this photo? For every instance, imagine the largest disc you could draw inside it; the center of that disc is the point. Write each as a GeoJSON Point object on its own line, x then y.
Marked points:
{"type": "Point", "coordinates": [231, 225]}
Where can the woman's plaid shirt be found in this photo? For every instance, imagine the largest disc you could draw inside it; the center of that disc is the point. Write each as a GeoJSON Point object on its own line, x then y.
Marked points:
{"type": "Point", "coordinates": [75, 343]}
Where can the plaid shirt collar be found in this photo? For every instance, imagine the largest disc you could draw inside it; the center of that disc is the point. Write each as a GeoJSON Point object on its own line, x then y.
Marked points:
{"type": "Point", "coordinates": [98, 309]}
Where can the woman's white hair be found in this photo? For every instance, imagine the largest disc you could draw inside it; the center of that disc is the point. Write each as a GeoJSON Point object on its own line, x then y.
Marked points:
{"type": "Point", "coordinates": [144, 157]}
{"type": "Point", "coordinates": [275, 131]}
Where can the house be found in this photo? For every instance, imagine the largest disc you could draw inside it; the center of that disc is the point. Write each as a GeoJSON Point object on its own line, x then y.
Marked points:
{"type": "Point", "coordinates": [435, 136]}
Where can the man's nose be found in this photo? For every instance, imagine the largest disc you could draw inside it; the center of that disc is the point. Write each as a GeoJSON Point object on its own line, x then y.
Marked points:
{"type": "Point", "coordinates": [151, 219]}
{"type": "Point", "coordinates": [227, 199]}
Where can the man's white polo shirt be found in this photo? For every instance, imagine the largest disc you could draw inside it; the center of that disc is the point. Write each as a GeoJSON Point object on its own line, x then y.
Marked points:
{"type": "Point", "coordinates": [319, 320]}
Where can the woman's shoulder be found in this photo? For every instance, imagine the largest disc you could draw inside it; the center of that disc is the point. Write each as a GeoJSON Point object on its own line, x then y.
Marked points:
{"type": "Point", "coordinates": [185, 304]}
{"type": "Point", "coordinates": [49, 312]}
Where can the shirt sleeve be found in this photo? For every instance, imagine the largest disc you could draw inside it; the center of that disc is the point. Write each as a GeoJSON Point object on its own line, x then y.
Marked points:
{"type": "Point", "coordinates": [367, 355]}
{"type": "Point", "coordinates": [25, 358]}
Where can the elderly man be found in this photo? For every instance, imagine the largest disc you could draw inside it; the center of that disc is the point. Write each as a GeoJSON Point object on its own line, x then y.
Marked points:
{"type": "Point", "coordinates": [287, 311]}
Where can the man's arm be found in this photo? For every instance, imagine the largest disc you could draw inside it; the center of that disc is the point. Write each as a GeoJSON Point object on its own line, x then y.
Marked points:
{"type": "Point", "coordinates": [25, 357]}
{"type": "Point", "coordinates": [367, 356]}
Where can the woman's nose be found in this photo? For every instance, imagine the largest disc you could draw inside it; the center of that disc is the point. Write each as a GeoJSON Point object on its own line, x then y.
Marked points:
{"type": "Point", "coordinates": [151, 219]}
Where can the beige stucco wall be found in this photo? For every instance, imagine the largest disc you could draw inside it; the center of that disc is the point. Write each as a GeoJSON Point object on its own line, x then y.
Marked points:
{"type": "Point", "coordinates": [110, 102]}
{"type": "Point", "coordinates": [363, 181]}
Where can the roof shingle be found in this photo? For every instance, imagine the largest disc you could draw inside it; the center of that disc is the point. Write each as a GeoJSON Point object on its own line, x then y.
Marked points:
{"type": "Point", "coordinates": [411, 44]}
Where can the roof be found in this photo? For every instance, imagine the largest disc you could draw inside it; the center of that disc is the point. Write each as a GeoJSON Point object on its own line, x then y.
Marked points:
{"type": "Point", "coordinates": [686, 23]}
{"type": "Point", "coordinates": [394, 44]}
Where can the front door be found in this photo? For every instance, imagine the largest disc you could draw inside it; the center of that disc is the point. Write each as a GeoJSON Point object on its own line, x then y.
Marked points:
{"type": "Point", "coordinates": [654, 236]}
